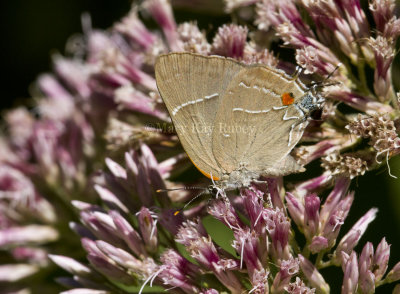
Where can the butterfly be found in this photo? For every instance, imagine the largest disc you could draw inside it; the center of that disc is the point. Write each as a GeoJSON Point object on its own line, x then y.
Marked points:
{"type": "Point", "coordinates": [236, 122]}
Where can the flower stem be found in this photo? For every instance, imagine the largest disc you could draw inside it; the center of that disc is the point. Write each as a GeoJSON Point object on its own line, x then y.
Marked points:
{"type": "Point", "coordinates": [362, 77]}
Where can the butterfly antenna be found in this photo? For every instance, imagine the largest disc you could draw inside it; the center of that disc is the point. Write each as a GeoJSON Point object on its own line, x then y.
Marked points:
{"type": "Point", "coordinates": [191, 200]}
{"type": "Point", "coordinates": [177, 189]}
{"type": "Point", "coordinates": [323, 82]}
{"type": "Point", "coordinates": [333, 71]}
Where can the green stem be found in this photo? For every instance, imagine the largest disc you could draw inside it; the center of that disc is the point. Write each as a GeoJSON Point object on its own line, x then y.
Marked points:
{"type": "Point", "coordinates": [363, 79]}
{"type": "Point", "coordinates": [306, 250]}
{"type": "Point", "coordinates": [294, 244]}
{"type": "Point", "coordinates": [382, 282]}
{"type": "Point", "coordinates": [360, 85]}
{"type": "Point", "coordinates": [325, 264]}
{"type": "Point", "coordinates": [319, 261]}
{"type": "Point", "coordinates": [395, 100]}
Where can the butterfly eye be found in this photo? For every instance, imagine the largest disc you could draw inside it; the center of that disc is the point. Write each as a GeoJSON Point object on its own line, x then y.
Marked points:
{"type": "Point", "coordinates": [212, 190]}
{"type": "Point", "coordinates": [316, 114]}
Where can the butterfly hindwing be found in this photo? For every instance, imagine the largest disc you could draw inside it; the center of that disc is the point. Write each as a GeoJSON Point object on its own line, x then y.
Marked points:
{"type": "Point", "coordinates": [256, 135]}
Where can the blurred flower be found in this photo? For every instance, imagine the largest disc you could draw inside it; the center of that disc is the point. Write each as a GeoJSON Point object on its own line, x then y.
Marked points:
{"type": "Point", "coordinates": [380, 130]}
{"type": "Point", "coordinates": [123, 246]}
{"type": "Point", "coordinates": [27, 228]}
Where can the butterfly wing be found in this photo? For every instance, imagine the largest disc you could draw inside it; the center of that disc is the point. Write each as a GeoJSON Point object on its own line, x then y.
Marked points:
{"type": "Point", "coordinates": [256, 134]}
{"type": "Point", "coordinates": [191, 86]}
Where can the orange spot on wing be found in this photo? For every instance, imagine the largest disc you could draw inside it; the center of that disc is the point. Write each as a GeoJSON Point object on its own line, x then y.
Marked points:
{"type": "Point", "coordinates": [287, 98]}
{"type": "Point", "coordinates": [176, 212]}
{"type": "Point", "coordinates": [203, 172]}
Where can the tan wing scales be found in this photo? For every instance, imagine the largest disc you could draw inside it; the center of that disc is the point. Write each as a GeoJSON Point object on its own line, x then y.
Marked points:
{"type": "Point", "coordinates": [191, 86]}
{"type": "Point", "coordinates": [258, 136]}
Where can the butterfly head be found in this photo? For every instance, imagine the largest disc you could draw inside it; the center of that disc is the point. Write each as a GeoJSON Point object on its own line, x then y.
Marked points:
{"type": "Point", "coordinates": [311, 102]}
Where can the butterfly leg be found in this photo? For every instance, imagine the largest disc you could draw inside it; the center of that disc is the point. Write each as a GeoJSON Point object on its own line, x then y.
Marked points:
{"type": "Point", "coordinates": [300, 120]}
{"type": "Point", "coordinates": [297, 72]}
{"type": "Point", "coordinates": [290, 133]}
{"type": "Point", "coordinates": [256, 191]}
{"type": "Point", "coordinates": [291, 130]}
{"type": "Point", "coordinates": [285, 117]}
{"type": "Point", "coordinates": [260, 182]}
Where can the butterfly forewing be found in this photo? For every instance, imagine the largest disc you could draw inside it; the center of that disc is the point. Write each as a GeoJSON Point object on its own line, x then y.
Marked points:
{"type": "Point", "coordinates": [255, 135]}
{"type": "Point", "coordinates": [191, 86]}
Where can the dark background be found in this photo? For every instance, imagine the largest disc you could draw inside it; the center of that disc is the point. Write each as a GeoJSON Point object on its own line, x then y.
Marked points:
{"type": "Point", "coordinates": [32, 31]}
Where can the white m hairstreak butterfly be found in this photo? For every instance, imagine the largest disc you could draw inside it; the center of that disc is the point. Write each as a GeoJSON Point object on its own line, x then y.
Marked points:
{"type": "Point", "coordinates": [236, 122]}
